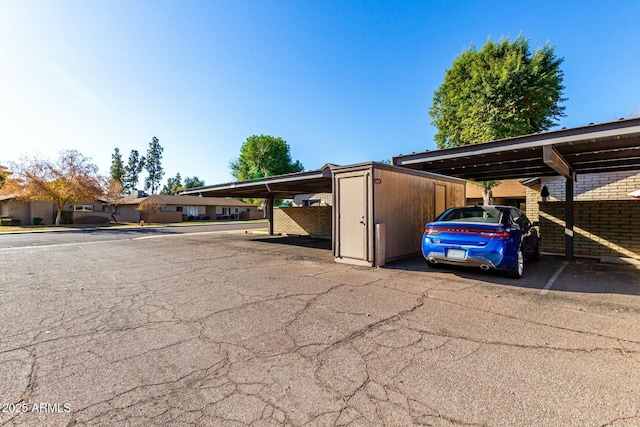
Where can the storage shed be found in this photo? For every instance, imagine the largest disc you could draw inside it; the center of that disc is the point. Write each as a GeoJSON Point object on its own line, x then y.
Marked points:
{"type": "Point", "coordinates": [379, 210]}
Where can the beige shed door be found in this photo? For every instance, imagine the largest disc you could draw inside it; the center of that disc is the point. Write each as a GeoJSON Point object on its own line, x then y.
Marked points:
{"type": "Point", "coordinates": [353, 217]}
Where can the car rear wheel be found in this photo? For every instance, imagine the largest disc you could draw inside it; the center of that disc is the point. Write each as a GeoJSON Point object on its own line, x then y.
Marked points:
{"type": "Point", "coordinates": [537, 254]}
{"type": "Point", "coordinates": [518, 268]}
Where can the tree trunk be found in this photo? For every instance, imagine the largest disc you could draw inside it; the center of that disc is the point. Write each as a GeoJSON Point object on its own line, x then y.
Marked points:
{"type": "Point", "coordinates": [58, 215]}
{"type": "Point", "coordinates": [487, 197]}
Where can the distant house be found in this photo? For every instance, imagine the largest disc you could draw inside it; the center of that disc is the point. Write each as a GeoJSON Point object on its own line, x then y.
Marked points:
{"type": "Point", "coordinates": [313, 199]}
{"type": "Point", "coordinates": [44, 212]}
{"type": "Point", "coordinates": [25, 212]}
{"type": "Point", "coordinates": [510, 192]}
{"type": "Point", "coordinates": [169, 208]}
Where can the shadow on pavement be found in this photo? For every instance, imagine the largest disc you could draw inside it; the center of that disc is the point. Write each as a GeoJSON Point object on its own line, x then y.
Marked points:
{"type": "Point", "coordinates": [580, 275]}
{"type": "Point", "coordinates": [303, 241]}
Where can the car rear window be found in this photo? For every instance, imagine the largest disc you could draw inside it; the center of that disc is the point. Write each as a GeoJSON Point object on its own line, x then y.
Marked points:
{"type": "Point", "coordinates": [486, 214]}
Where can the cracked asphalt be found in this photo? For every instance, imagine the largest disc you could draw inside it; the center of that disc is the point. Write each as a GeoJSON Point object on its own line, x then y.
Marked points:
{"type": "Point", "coordinates": [236, 330]}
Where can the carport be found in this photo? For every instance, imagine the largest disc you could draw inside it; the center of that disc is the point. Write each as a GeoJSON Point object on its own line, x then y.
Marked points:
{"type": "Point", "coordinates": [370, 201]}
{"type": "Point", "coordinates": [606, 147]}
{"type": "Point", "coordinates": [271, 188]}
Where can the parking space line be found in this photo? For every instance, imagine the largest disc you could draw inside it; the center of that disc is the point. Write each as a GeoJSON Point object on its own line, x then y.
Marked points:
{"type": "Point", "coordinates": [190, 234]}
{"type": "Point", "coordinates": [553, 278]}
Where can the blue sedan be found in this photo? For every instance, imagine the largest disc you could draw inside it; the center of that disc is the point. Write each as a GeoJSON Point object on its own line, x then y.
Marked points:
{"type": "Point", "coordinates": [489, 237]}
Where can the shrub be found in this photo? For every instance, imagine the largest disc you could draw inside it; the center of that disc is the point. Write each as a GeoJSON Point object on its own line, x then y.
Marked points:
{"type": "Point", "coordinates": [544, 192]}
{"type": "Point", "coordinates": [38, 221]}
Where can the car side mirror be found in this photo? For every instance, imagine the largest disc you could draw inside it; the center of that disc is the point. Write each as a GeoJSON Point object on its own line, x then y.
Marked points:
{"type": "Point", "coordinates": [536, 223]}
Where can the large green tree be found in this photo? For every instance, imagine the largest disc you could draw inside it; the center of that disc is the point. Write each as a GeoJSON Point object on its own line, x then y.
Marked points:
{"type": "Point", "coordinates": [117, 167]}
{"type": "Point", "coordinates": [132, 171]}
{"type": "Point", "coordinates": [500, 91]}
{"type": "Point", "coordinates": [153, 166]}
{"type": "Point", "coordinates": [262, 156]}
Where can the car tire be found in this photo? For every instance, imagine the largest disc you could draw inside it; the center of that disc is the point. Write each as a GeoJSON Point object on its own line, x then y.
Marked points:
{"type": "Point", "coordinates": [537, 254]}
{"type": "Point", "coordinates": [518, 267]}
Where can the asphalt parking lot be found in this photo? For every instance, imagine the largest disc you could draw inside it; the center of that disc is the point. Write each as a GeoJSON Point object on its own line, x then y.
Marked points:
{"type": "Point", "coordinates": [230, 329]}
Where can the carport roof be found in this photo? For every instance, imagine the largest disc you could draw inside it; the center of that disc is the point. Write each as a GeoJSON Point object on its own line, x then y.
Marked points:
{"type": "Point", "coordinates": [605, 147]}
{"type": "Point", "coordinates": [280, 187]}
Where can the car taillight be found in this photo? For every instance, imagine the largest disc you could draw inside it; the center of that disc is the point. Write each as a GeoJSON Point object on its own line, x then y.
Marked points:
{"type": "Point", "coordinates": [490, 234]}
{"type": "Point", "coordinates": [499, 234]}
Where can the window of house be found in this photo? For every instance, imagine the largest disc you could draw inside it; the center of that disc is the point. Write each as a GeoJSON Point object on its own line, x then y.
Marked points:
{"type": "Point", "coordinates": [311, 202]}
{"type": "Point", "coordinates": [83, 208]}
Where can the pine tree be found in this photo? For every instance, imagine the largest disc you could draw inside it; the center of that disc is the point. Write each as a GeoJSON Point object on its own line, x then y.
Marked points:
{"type": "Point", "coordinates": [153, 165]}
{"type": "Point", "coordinates": [132, 171]}
{"type": "Point", "coordinates": [117, 167]}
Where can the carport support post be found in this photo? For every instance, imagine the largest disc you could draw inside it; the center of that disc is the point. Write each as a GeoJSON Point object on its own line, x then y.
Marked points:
{"type": "Point", "coordinates": [568, 218]}
{"type": "Point", "coordinates": [270, 214]}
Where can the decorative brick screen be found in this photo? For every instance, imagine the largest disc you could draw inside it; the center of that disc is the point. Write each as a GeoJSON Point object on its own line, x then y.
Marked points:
{"type": "Point", "coordinates": [312, 221]}
{"type": "Point", "coordinates": [601, 228]}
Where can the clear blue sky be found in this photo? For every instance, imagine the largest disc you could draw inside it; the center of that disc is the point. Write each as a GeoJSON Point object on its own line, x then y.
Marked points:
{"type": "Point", "coordinates": [341, 81]}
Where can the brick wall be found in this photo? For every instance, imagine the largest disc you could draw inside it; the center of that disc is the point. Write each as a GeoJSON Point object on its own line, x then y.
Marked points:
{"type": "Point", "coordinates": [600, 186]}
{"type": "Point", "coordinates": [601, 228]}
{"type": "Point", "coordinates": [312, 220]}
{"type": "Point", "coordinates": [595, 186]}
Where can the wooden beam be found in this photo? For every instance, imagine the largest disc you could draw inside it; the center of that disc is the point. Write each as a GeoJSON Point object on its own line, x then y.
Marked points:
{"type": "Point", "coordinates": [555, 161]}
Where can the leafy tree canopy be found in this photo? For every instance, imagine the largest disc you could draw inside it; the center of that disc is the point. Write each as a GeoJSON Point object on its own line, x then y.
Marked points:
{"type": "Point", "coordinates": [500, 91]}
{"type": "Point", "coordinates": [263, 156]}
{"type": "Point", "coordinates": [175, 185]}
{"type": "Point", "coordinates": [192, 183]}
{"type": "Point", "coordinates": [71, 178]}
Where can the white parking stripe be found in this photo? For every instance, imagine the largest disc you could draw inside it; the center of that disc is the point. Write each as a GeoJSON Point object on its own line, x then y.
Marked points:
{"type": "Point", "coordinates": [553, 278]}
{"type": "Point", "coordinates": [190, 234]}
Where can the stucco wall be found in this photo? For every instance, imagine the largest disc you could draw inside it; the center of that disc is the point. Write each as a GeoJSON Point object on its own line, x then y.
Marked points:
{"type": "Point", "coordinates": [311, 220]}
{"type": "Point", "coordinates": [161, 217]}
{"type": "Point", "coordinates": [601, 228]}
{"type": "Point", "coordinates": [17, 210]}
{"type": "Point", "coordinates": [251, 215]}
{"type": "Point", "coordinates": [26, 211]}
